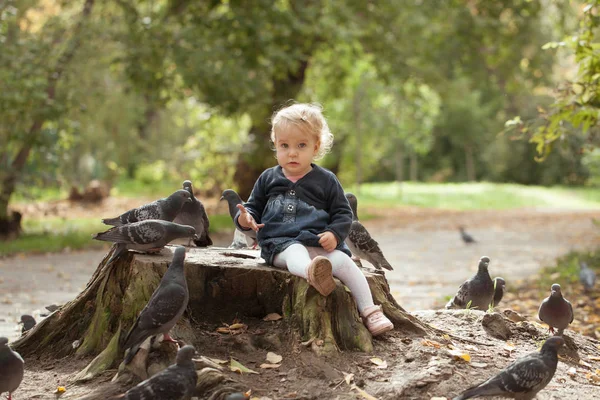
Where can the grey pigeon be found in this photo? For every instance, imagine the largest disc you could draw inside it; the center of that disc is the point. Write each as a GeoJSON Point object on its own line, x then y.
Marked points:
{"type": "Point", "coordinates": [500, 287]}
{"type": "Point", "coordinates": [177, 382]}
{"type": "Point", "coordinates": [233, 199]}
{"type": "Point", "coordinates": [194, 214]}
{"type": "Point", "coordinates": [522, 379]}
{"type": "Point", "coordinates": [11, 368]}
{"type": "Point", "coordinates": [360, 242]}
{"type": "Point", "coordinates": [28, 323]}
{"type": "Point", "coordinates": [479, 290]}
{"type": "Point", "coordinates": [147, 236]}
{"type": "Point", "coordinates": [587, 276]}
{"type": "Point", "coordinates": [556, 311]}
{"type": "Point", "coordinates": [165, 209]}
{"type": "Point", "coordinates": [165, 307]}
{"type": "Point", "coordinates": [468, 239]}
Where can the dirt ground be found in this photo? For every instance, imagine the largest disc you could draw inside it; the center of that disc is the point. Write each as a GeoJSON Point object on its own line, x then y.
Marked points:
{"type": "Point", "coordinates": [429, 260]}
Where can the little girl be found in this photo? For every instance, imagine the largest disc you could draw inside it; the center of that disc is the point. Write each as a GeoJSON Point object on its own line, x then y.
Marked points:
{"type": "Point", "coordinates": [301, 215]}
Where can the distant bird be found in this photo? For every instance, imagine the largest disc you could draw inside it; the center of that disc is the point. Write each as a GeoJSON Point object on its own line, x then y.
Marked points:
{"type": "Point", "coordinates": [500, 287]}
{"type": "Point", "coordinates": [164, 209]}
{"type": "Point", "coordinates": [468, 239]}
{"type": "Point", "coordinates": [194, 214]}
{"type": "Point", "coordinates": [587, 276]}
{"type": "Point", "coordinates": [522, 379]}
{"type": "Point", "coordinates": [11, 369]}
{"type": "Point", "coordinates": [28, 323]}
{"type": "Point", "coordinates": [556, 311]}
{"type": "Point", "coordinates": [233, 199]}
{"type": "Point", "coordinates": [177, 382]}
{"type": "Point", "coordinates": [479, 290]}
{"type": "Point", "coordinates": [146, 236]}
{"type": "Point", "coordinates": [165, 307]}
{"type": "Point", "coordinates": [360, 242]}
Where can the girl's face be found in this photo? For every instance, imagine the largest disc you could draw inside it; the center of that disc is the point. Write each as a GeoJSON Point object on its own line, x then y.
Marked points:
{"type": "Point", "coordinates": [295, 149]}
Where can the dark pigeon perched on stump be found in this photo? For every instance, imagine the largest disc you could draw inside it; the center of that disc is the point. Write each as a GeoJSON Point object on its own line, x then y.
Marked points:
{"type": "Point", "coordinates": [499, 288]}
{"type": "Point", "coordinates": [193, 214]}
{"type": "Point", "coordinates": [524, 378]}
{"type": "Point", "coordinates": [468, 239]}
{"type": "Point", "coordinates": [28, 323]}
{"type": "Point", "coordinates": [361, 243]}
{"type": "Point", "coordinates": [233, 199]}
{"type": "Point", "coordinates": [477, 292]}
{"type": "Point", "coordinates": [165, 307]}
{"type": "Point", "coordinates": [556, 311]}
{"type": "Point", "coordinates": [146, 236]}
{"type": "Point", "coordinates": [11, 369]}
{"type": "Point", "coordinates": [164, 209]}
{"type": "Point", "coordinates": [587, 276]}
{"type": "Point", "coordinates": [177, 382]}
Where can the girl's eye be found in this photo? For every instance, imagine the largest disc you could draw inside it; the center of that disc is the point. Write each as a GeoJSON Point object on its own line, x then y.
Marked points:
{"type": "Point", "coordinates": [302, 145]}
{"type": "Point", "coordinates": [283, 145]}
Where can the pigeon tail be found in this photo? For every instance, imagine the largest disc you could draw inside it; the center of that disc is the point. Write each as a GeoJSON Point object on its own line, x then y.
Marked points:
{"type": "Point", "coordinates": [131, 354]}
{"type": "Point", "coordinates": [119, 249]}
{"type": "Point", "coordinates": [116, 221]}
{"type": "Point", "coordinates": [485, 390]}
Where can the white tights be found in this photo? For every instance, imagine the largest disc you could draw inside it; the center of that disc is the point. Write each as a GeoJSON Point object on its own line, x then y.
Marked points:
{"type": "Point", "coordinates": [297, 257]}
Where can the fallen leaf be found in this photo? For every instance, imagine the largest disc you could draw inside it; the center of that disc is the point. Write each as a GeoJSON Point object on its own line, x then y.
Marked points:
{"type": "Point", "coordinates": [237, 326]}
{"type": "Point", "coordinates": [236, 366]}
{"type": "Point", "coordinates": [430, 343]}
{"type": "Point", "coordinates": [459, 354]}
{"type": "Point", "coordinates": [363, 393]}
{"type": "Point", "coordinates": [479, 365]}
{"type": "Point", "coordinates": [348, 378]}
{"type": "Point", "coordinates": [594, 358]}
{"type": "Point", "coordinates": [381, 364]}
{"type": "Point", "coordinates": [585, 364]}
{"type": "Point", "coordinates": [272, 317]}
{"type": "Point", "coordinates": [509, 347]}
{"type": "Point", "coordinates": [223, 330]}
{"type": "Point", "coordinates": [274, 358]}
{"type": "Point", "coordinates": [269, 366]}
{"type": "Point", "coordinates": [308, 342]}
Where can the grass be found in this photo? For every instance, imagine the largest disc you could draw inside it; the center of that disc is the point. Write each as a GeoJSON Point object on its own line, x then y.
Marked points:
{"type": "Point", "coordinates": [475, 196]}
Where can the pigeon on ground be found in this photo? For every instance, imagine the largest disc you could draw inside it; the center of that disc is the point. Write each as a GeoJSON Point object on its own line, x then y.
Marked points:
{"type": "Point", "coordinates": [468, 239]}
{"type": "Point", "coordinates": [194, 214]}
{"type": "Point", "coordinates": [177, 382]}
{"type": "Point", "coordinates": [360, 242]}
{"type": "Point", "coordinates": [500, 287]}
{"type": "Point", "coordinates": [28, 323]}
{"type": "Point", "coordinates": [165, 307]}
{"type": "Point", "coordinates": [556, 311]}
{"type": "Point", "coordinates": [164, 209]}
{"type": "Point", "coordinates": [147, 236]}
{"type": "Point", "coordinates": [587, 276]}
{"type": "Point", "coordinates": [478, 291]}
{"type": "Point", "coordinates": [522, 379]}
{"type": "Point", "coordinates": [11, 369]}
{"type": "Point", "coordinates": [233, 199]}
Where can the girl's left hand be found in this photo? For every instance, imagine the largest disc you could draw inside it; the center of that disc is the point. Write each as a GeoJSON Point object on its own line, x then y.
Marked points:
{"type": "Point", "coordinates": [328, 241]}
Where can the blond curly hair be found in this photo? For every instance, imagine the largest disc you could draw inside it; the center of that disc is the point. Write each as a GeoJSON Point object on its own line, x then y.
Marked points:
{"type": "Point", "coordinates": [309, 118]}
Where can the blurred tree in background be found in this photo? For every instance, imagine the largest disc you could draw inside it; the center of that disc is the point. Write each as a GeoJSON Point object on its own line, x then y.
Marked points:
{"type": "Point", "coordinates": [175, 89]}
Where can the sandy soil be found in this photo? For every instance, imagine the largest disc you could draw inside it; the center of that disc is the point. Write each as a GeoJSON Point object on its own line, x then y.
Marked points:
{"type": "Point", "coordinates": [429, 260]}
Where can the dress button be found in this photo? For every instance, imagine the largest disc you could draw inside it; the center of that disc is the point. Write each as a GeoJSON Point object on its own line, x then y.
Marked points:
{"type": "Point", "coordinates": [290, 207]}
{"type": "Point", "coordinates": [292, 192]}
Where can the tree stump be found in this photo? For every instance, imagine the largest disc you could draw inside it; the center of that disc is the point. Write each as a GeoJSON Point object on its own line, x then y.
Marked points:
{"type": "Point", "coordinates": [224, 284]}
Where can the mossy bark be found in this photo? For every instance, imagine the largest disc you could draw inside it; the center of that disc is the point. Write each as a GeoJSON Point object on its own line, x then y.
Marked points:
{"type": "Point", "coordinates": [223, 285]}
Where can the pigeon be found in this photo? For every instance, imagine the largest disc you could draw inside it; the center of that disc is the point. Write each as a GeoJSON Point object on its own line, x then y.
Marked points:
{"type": "Point", "coordinates": [499, 288]}
{"type": "Point", "coordinates": [522, 379]}
{"type": "Point", "coordinates": [587, 276]}
{"type": "Point", "coordinates": [11, 368]}
{"type": "Point", "coordinates": [149, 236]}
{"type": "Point", "coordinates": [164, 209]}
{"type": "Point", "coordinates": [233, 199]}
{"type": "Point", "coordinates": [479, 290]}
{"type": "Point", "coordinates": [556, 311]}
{"type": "Point", "coordinates": [176, 382]}
{"type": "Point", "coordinates": [194, 214]}
{"type": "Point", "coordinates": [165, 307]}
{"type": "Point", "coordinates": [360, 242]}
{"type": "Point", "coordinates": [468, 239]}
{"type": "Point", "coordinates": [28, 323]}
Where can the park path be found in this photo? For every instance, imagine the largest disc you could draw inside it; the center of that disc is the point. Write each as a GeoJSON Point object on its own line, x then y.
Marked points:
{"type": "Point", "coordinates": [423, 245]}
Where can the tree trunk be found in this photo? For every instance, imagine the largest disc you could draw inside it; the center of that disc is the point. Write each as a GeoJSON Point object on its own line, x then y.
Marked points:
{"type": "Point", "coordinates": [260, 155]}
{"type": "Point", "coordinates": [414, 167]}
{"type": "Point", "coordinates": [470, 163]}
{"type": "Point", "coordinates": [224, 285]}
{"type": "Point", "coordinates": [399, 161]}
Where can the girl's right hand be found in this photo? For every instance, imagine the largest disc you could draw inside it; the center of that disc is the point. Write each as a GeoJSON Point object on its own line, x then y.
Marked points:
{"type": "Point", "coordinates": [246, 220]}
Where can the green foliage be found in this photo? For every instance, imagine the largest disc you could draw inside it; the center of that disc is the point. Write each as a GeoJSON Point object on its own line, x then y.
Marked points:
{"type": "Point", "coordinates": [566, 270]}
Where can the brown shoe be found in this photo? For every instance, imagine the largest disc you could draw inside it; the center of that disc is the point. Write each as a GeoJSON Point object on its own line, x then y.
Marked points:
{"type": "Point", "coordinates": [319, 275]}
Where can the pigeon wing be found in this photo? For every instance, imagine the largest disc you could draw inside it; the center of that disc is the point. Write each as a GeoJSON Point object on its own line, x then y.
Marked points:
{"type": "Point", "coordinates": [166, 385]}
{"type": "Point", "coordinates": [462, 295]}
{"type": "Point", "coordinates": [147, 211]}
{"type": "Point", "coordinates": [137, 233]}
